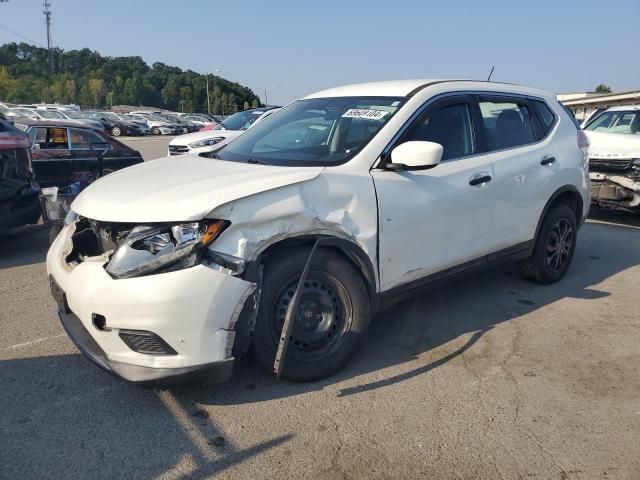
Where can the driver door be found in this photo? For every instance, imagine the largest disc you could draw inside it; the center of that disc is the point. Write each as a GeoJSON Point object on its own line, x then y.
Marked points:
{"type": "Point", "coordinates": [437, 219]}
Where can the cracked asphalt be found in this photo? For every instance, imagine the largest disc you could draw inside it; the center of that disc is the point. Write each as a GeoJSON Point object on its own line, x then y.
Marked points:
{"type": "Point", "coordinates": [489, 377]}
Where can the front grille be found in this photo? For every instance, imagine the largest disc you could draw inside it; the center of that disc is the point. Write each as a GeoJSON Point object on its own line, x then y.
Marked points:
{"type": "Point", "coordinates": [149, 343]}
{"type": "Point", "coordinates": [602, 165]}
{"type": "Point", "coordinates": [178, 149]}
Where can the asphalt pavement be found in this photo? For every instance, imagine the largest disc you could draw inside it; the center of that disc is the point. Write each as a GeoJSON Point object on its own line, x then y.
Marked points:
{"type": "Point", "coordinates": [488, 377]}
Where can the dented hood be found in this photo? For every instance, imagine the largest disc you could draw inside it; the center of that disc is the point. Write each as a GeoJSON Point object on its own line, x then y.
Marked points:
{"type": "Point", "coordinates": [181, 189]}
{"type": "Point", "coordinates": [613, 145]}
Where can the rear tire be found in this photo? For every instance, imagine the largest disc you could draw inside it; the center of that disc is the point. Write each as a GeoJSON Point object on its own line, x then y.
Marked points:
{"type": "Point", "coordinates": [554, 247]}
{"type": "Point", "coordinates": [332, 316]}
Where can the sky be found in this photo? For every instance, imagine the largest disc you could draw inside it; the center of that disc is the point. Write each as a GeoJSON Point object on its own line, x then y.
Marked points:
{"type": "Point", "coordinates": [293, 48]}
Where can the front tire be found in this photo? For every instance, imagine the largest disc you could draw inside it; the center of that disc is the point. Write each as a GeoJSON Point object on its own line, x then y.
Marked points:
{"type": "Point", "coordinates": [331, 321]}
{"type": "Point", "coordinates": [155, 131]}
{"type": "Point", "coordinates": [116, 132]}
{"type": "Point", "coordinates": [554, 247]}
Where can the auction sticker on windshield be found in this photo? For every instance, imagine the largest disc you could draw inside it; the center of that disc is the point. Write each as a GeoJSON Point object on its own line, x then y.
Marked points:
{"type": "Point", "coordinates": [364, 113]}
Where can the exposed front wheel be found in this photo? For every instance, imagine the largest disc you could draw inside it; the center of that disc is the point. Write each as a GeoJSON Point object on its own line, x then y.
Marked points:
{"type": "Point", "coordinates": [330, 322]}
{"type": "Point", "coordinates": [554, 247]}
{"type": "Point", "coordinates": [116, 132]}
{"type": "Point", "coordinates": [155, 131]}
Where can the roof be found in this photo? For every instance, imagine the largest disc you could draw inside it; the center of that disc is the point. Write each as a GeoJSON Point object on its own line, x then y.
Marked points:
{"type": "Point", "coordinates": [406, 88]}
{"type": "Point", "coordinates": [51, 123]}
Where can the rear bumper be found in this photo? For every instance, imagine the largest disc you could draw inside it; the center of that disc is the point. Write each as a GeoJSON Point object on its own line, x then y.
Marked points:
{"type": "Point", "coordinates": [215, 372]}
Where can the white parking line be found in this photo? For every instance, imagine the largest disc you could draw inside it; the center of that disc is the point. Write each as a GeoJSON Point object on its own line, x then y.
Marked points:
{"type": "Point", "coordinates": [26, 344]}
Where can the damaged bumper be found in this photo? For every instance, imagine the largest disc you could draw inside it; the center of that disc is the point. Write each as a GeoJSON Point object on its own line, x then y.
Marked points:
{"type": "Point", "coordinates": [167, 328]}
{"type": "Point", "coordinates": [615, 191]}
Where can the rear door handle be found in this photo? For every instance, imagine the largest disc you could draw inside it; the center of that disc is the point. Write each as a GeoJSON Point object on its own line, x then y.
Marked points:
{"type": "Point", "coordinates": [547, 160]}
{"type": "Point", "coordinates": [480, 178]}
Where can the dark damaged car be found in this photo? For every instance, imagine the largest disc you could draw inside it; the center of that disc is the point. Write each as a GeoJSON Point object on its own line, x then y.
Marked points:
{"type": "Point", "coordinates": [19, 193]}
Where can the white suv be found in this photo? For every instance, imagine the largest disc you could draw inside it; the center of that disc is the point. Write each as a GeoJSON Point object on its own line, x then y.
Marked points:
{"type": "Point", "coordinates": [287, 239]}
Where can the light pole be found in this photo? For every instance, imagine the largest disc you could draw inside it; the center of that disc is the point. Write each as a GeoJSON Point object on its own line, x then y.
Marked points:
{"type": "Point", "coordinates": [207, 77]}
{"type": "Point", "coordinates": [266, 100]}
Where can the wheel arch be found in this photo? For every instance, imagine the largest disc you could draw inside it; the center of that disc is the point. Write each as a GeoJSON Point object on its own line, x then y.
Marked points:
{"type": "Point", "coordinates": [568, 195]}
{"type": "Point", "coordinates": [350, 250]}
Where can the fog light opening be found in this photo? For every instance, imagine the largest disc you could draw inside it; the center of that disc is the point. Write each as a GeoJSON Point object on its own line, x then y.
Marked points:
{"type": "Point", "coordinates": [100, 322]}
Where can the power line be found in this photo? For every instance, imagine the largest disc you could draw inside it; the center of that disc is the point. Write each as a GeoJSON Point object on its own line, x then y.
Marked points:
{"type": "Point", "coordinates": [21, 36]}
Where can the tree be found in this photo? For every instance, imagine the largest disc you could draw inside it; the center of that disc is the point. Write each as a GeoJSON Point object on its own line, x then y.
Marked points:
{"type": "Point", "coordinates": [85, 77]}
{"type": "Point", "coordinates": [603, 88]}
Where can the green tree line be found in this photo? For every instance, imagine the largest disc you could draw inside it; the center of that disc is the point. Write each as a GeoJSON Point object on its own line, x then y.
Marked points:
{"type": "Point", "coordinates": [90, 80]}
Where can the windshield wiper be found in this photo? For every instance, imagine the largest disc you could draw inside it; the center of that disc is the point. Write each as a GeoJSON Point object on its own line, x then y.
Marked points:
{"type": "Point", "coordinates": [255, 162]}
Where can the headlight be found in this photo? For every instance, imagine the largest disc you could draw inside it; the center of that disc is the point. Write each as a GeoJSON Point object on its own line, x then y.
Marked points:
{"type": "Point", "coordinates": [206, 143]}
{"type": "Point", "coordinates": [146, 250]}
{"type": "Point", "coordinates": [635, 162]}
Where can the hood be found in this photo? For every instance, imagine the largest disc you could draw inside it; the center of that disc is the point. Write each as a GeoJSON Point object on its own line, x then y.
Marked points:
{"type": "Point", "coordinates": [197, 136]}
{"type": "Point", "coordinates": [167, 190]}
{"type": "Point", "coordinates": [613, 145]}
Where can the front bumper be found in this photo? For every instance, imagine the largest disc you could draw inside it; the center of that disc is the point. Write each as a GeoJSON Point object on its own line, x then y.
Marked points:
{"type": "Point", "coordinates": [193, 310]}
{"type": "Point", "coordinates": [215, 372]}
{"type": "Point", "coordinates": [614, 191]}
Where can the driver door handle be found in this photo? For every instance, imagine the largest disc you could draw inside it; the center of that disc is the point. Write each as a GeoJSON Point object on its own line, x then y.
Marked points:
{"type": "Point", "coordinates": [480, 178]}
{"type": "Point", "coordinates": [547, 160]}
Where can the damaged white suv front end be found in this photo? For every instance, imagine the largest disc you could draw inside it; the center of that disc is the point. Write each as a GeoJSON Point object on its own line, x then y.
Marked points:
{"type": "Point", "coordinates": [614, 158]}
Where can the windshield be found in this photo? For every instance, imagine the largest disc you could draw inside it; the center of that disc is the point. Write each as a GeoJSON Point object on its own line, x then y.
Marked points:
{"type": "Point", "coordinates": [318, 131]}
{"type": "Point", "coordinates": [623, 121]}
{"type": "Point", "coordinates": [240, 120]}
{"type": "Point", "coordinates": [50, 114]}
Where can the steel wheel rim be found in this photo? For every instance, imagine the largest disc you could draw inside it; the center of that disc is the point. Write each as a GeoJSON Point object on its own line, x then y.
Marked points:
{"type": "Point", "coordinates": [559, 245]}
{"type": "Point", "coordinates": [320, 321]}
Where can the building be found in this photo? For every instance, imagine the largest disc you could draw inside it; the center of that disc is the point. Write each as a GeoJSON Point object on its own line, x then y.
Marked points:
{"type": "Point", "coordinates": [583, 105]}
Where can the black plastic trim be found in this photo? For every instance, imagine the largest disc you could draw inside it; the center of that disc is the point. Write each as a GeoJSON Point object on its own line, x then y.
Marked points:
{"type": "Point", "coordinates": [400, 292]}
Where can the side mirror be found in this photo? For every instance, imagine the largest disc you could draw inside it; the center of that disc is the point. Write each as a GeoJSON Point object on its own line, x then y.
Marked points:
{"type": "Point", "coordinates": [415, 155]}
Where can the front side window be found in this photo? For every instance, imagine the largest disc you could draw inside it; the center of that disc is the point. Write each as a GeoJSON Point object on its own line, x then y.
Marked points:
{"type": "Point", "coordinates": [50, 138]}
{"type": "Point", "coordinates": [317, 131]}
{"type": "Point", "coordinates": [50, 114]}
{"type": "Point", "coordinates": [616, 122]}
{"type": "Point", "coordinates": [82, 139]}
{"type": "Point", "coordinates": [450, 126]}
{"type": "Point", "coordinates": [507, 124]}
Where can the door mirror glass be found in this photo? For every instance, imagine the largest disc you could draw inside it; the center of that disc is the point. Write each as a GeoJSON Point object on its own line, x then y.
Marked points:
{"type": "Point", "coordinates": [416, 155]}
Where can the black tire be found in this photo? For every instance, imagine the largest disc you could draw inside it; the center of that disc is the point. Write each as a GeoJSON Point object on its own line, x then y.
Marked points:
{"type": "Point", "coordinates": [54, 231]}
{"type": "Point", "coordinates": [554, 247]}
{"type": "Point", "coordinates": [155, 131]}
{"type": "Point", "coordinates": [332, 320]}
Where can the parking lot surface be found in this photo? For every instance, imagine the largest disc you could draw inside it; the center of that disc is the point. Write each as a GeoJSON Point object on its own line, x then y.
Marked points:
{"type": "Point", "coordinates": [486, 377]}
{"type": "Point", "coordinates": [150, 147]}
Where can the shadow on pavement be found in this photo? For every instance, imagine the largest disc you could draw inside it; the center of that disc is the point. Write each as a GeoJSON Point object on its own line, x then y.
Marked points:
{"type": "Point", "coordinates": [64, 407]}
{"type": "Point", "coordinates": [24, 246]}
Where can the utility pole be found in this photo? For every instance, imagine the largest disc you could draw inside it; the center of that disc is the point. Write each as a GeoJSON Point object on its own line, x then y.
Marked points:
{"type": "Point", "coordinates": [47, 20]}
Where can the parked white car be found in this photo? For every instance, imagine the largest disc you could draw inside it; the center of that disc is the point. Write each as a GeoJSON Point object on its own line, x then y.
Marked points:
{"type": "Point", "coordinates": [614, 157]}
{"type": "Point", "coordinates": [227, 130]}
{"type": "Point", "coordinates": [168, 271]}
{"type": "Point", "coordinates": [156, 126]}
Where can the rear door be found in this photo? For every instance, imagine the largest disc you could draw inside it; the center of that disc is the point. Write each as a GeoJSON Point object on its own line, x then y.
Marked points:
{"type": "Point", "coordinates": [525, 163]}
{"type": "Point", "coordinates": [437, 219]}
{"type": "Point", "coordinates": [51, 156]}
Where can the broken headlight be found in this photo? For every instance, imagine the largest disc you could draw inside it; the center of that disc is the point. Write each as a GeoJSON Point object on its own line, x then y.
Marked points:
{"type": "Point", "coordinates": [151, 249]}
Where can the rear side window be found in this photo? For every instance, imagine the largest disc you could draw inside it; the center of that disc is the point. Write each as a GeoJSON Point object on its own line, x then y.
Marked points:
{"type": "Point", "coordinates": [507, 124]}
{"type": "Point", "coordinates": [450, 126]}
{"type": "Point", "coordinates": [547, 118]}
